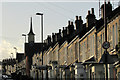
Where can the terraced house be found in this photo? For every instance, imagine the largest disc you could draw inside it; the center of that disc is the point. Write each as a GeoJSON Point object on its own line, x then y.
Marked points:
{"type": "Point", "coordinates": [76, 51]}
{"type": "Point", "coordinates": [79, 53]}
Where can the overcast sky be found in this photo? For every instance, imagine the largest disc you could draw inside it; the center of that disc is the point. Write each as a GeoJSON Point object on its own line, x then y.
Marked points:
{"type": "Point", "coordinates": [16, 19]}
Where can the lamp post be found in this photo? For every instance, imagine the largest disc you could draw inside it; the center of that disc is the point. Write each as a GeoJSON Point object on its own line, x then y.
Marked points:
{"type": "Point", "coordinates": [24, 36]}
{"type": "Point", "coordinates": [106, 44]}
{"type": "Point", "coordinates": [41, 14]}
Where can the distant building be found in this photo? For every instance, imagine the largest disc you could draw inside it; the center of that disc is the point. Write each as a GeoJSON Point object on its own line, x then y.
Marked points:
{"type": "Point", "coordinates": [8, 66]}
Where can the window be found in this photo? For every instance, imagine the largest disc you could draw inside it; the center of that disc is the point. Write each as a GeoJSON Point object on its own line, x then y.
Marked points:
{"type": "Point", "coordinates": [119, 24]}
{"type": "Point", "coordinates": [101, 42]}
{"type": "Point", "coordinates": [98, 43]}
{"type": "Point", "coordinates": [84, 47]}
{"type": "Point", "coordinates": [84, 52]}
{"type": "Point", "coordinates": [88, 42]}
{"type": "Point", "coordinates": [76, 52]}
{"type": "Point", "coordinates": [109, 34]}
{"type": "Point", "coordinates": [90, 45]}
{"type": "Point", "coordinates": [93, 45]}
{"type": "Point", "coordinates": [113, 36]}
{"type": "Point", "coordinates": [81, 51]}
{"type": "Point", "coordinates": [103, 37]}
{"type": "Point", "coordinates": [116, 33]}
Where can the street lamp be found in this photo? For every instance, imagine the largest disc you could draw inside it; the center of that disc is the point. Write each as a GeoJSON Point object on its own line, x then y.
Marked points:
{"type": "Point", "coordinates": [24, 36]}
{"type": "Point", "coordinates": [106, 44]}
{"type": "Point", "coordinates": [15, 49]}
{"type": "Point", "coordinates": [12, 55]}
{"type": "Point", "coordinates": [41, 14]}
{"type": "Point", "coordinates": [41, 30]}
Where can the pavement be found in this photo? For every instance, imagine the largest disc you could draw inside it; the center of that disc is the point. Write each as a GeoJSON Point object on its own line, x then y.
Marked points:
{"type": "Point", "coordinates": [0, 75]}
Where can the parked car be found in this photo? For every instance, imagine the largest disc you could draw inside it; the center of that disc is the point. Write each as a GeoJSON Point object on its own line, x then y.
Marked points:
{"type": "Point", "coordinates": [4, 76]}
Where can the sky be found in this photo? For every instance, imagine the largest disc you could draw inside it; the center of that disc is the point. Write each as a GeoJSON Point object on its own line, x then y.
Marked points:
{"type": "Point", "coordinates": [15, 19]}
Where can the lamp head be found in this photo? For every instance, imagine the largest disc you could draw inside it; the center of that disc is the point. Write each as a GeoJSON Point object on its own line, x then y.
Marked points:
{"type": "Point", "coordinates": [23, 35]}
{"type": "Point", "coordinates": [39, 13]}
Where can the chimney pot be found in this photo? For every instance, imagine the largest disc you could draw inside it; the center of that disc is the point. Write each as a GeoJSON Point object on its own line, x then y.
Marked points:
{"type": "Point", "coordinates": [66, 28]}
{"type": "Point", "coordinates": [68, 22]}
{"type": "Point", "coordinates": [71, 23]}
{"type": "Point", "coordinates": [76, 17]}
{"type": "Point", "coordinates": [88, 12]}
{"type": "Point", "coordinates": [52, 34]}
{"type": "Point", "coordinates": [59, 30]}
{"type": "Point", "coordinates": [49, 36]}
{"type": "Point", "coordinates": [92, 10]}
{"type": "Point", "coordinates": [45, 41]}
{"type": "Point", "coordinates": [63, 28]}
{"type": "Point", "coordinates": [80, 18]}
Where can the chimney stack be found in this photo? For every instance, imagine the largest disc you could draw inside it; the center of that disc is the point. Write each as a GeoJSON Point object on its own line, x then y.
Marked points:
{"type": "Point", "coordinates": [59, 35]}
{"type": "Point", "coordinates": [108, 9]}
{"type": "Point", "coordinates": [48, 39]}
{"type": "Point", "coordinates": [53, 37]}
{"type": "Point", "coordinates": [71, 23]}
{"type": "Point", "coordinates": [63, 28]}
{"type": "Point", "coordinates": [92, 10]}
{"type": "Point", "coordinates": [68, 23]}
{"type": "Point", "coordinates": [64, 32]}
{"type": "Point", "coordinates": [60, 31]}
{"type": "Point", "coordinates": [90, 18]}
{"type": "Point", "coordinates": [79, 24]}
{"type": "Point", "coordinates": [80, 18]}
{"type": "Point", "coordinates": [52, 34]}
{"type": "Point", "coordinates": [70, 28]}
{"type": "Point", "coordinates": [76, 17]}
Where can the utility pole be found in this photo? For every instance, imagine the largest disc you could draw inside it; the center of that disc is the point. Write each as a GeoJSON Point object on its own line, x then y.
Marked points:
{"type": "Point", "coordinates": [106, 44]}
{"type": "Point", "coordinates": [105, 25]}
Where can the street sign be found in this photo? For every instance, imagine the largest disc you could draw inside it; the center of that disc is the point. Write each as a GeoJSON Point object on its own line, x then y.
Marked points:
{"type": "Point", "coordinates": [106, 45]}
